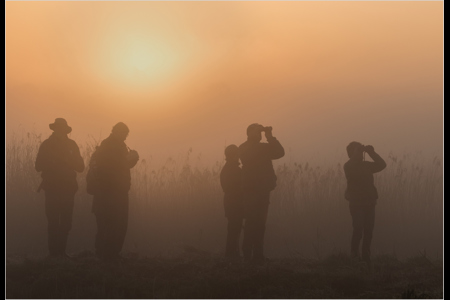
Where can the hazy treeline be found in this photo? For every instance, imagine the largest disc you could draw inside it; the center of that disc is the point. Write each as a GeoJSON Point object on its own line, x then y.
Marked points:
{"type": "Point", "coordinates": [180, 204]}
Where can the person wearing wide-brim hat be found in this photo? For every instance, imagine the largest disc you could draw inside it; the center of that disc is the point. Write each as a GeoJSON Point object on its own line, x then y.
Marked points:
{"type": "Point", "coordinates": [60, 126]}
{"type": "Point", "coordinates": [59, 159]}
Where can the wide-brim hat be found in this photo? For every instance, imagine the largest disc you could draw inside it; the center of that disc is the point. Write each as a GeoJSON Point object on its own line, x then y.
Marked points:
{"type": "Point", "coordinates": [60, 124]}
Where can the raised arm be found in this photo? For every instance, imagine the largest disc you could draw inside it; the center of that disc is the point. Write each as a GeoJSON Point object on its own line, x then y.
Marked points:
{"type": "Point", "coordinates": [378, 163]}
{"type": "Point", "coordinates": [276, 150]}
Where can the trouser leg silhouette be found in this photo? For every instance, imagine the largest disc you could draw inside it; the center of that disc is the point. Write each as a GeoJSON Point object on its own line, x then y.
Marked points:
{"type": "Point", "coordinates": [233, 234]}
{"type": "Point", "coordinates": [59, 211]}
{"type": "Point", "coordinates": [248, 243]}
{"type": "Point", "coordinates": [111, 213]}
{"type": "Point", "coordinates": [120, 226]}
{"type": "Point", "coordinates": [260, 230]}
{"type": "Point", "coordinates": [102, 231]}
{"type": "Point", "coordinates": [363, 220]}
{"type": "Point", "coordinates": [255, 225]}
{"type": "Point", "coordinates": [369, 222]}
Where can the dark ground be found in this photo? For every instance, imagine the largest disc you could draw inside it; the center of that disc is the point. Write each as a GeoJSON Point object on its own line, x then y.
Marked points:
{"type": "Point", "coordinates": [198, 274]}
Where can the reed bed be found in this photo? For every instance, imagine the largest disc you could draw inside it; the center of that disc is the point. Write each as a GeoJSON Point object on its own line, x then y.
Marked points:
{"type": "Point", "coordinates": [180, 204]}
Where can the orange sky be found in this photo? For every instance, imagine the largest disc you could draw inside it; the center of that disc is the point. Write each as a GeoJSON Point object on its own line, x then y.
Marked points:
{"type": "Point", "coordinates": [196, 74]}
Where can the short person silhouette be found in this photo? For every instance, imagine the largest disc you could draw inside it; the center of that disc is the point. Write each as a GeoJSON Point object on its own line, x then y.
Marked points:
{"type": "Point", "coordinates": [231, 182]}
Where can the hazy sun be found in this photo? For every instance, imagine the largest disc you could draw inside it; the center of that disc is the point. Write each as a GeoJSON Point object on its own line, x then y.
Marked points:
{"type": "Point", "coordinates": [151, 56]}
{"type": "Point", "coordinates": [136, 61]}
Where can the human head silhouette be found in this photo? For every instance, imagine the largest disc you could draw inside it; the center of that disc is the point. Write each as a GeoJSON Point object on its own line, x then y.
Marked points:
{"type": "Point", "coordinates": [120, 131]}
{"type": "Point", "coordinates": [355, 150]}
{"type": "Point", "coordinates": [254, 132]}
{"type": "Point", "coordinates": [60, 126]}
{"type": "Point", "coordinates": [232, 153]}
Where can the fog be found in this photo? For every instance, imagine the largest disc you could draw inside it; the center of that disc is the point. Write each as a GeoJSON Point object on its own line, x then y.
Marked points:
{"type": "Point", "coordinates": [188, 78]}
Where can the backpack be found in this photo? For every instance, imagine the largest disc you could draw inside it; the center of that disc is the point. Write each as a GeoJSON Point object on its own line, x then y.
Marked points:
{"type": "Point", "coordinates": [92, 182]}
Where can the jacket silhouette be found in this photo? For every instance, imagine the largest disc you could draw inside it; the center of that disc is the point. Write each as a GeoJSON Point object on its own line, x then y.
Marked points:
{"type": "Point", "coordinates": [258, 173]}
{"type": "Point", "coordinates": [110, 204]}
{"type": "Point", "coordinates": [231, 182]}
{"type": "Point", "coordinates": [360, 184]}
{"type": "Point", "coordinates": [59, 159]}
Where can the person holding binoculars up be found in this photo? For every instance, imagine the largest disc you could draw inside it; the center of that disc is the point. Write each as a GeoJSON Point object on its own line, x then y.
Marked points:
{"type": "Point", "coordinates": [258, 180]}
{"type": "Point", "coordinates": [362, 195]}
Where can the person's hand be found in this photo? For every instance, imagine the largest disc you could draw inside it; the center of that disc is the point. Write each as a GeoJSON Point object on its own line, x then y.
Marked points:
{"type": "Point", "coordinates": [369, 149]}
{"type": "Point", "coordinates": [133, 155]}
{"type": "Point", "coordinates": [268, 132]}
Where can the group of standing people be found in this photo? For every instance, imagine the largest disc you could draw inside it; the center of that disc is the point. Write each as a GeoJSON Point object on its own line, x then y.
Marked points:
{"type": "Point", "coordinates": [246, 190]}
{"type": "Point", "coordinates": [247, 193]}
{"type": "Point", "coordinates": [109, 182]}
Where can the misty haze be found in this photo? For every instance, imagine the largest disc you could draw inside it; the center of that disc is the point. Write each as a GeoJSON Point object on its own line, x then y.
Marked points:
{"type": "Point", "coordinates": [199, 98]}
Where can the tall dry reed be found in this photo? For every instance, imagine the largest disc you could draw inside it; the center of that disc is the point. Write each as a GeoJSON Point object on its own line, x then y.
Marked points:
{"type": "Point", "coordinates": [180, 204]}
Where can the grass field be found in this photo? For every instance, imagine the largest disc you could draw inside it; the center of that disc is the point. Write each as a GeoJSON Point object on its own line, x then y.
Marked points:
{"type": "Point", "coordinates": [199, 274]}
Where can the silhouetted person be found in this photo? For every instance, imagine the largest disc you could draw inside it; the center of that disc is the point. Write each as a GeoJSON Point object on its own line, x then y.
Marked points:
{"type": "Point", "coordinates": [59, 159]}
{"type": "Point", "coordinates": [231, 182]}
{"type": "Point", "coordinates": [258, 180]}
{"type": "Point", "coordinates": [362, 195]}
{"type": "Point", "coordinates": [110, 205]}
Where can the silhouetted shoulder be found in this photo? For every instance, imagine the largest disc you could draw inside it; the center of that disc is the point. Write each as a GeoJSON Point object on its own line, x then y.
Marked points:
{"type": "Point", "coordinates": [271, 150]}
{"type": "Point", "coordinates": [105, 142]}
{"type": "Point", "coordinates": [360, 166]}
{"type": "Point", "coordinates": [375, 167]}
{"type": "Point", "coordinates": [346, 165]}
{"type": "Point", "coordinates": [349, 164]}
{"type": "Point", "coordinates": [73, 144]}
{"type": "Point", "coordinates": [243, 145]}
{"type": "Point", "coordinates": [231, 177]}
{"type": "Point", "coordinates": [47, 143]}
